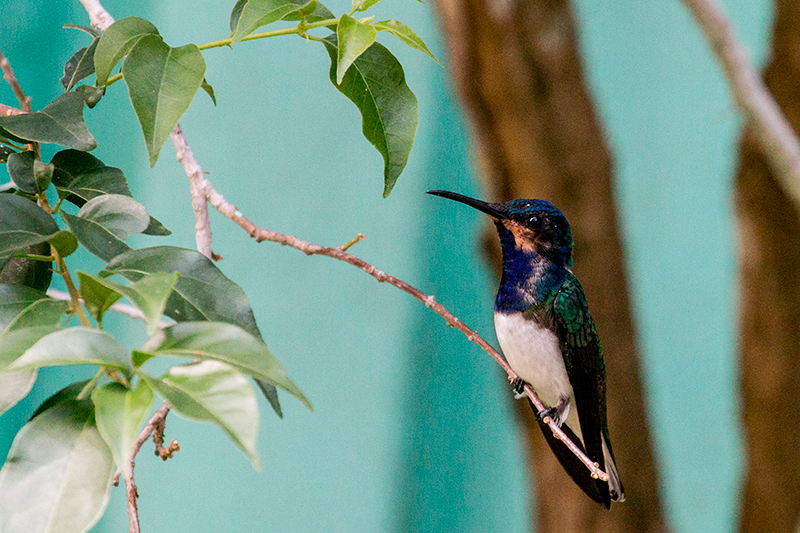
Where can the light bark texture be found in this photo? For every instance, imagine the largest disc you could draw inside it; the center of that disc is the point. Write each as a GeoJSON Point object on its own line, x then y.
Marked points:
{"type": "Point", "coordinates": [517, 69]}
{"type": "Point", "coordinates": [769, 230]}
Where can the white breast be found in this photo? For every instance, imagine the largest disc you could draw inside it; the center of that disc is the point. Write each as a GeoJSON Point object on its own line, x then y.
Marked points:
{"type": "Point", "coordinates": [534, 354]}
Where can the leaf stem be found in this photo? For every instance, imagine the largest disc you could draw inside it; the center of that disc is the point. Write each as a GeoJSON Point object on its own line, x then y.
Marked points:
{"type": "Point", "coordinates": [33, 257]}
{"type": "Point", "coordinates": [10, 144]}
{"type": "Point", "coordinates": [114, 79]}
{"type": "Point", "coordinates": [58, 205]}
{"type": "Point", "coordinates": [42, 197]}
{"type": "Point", "coordinates": [75, 296]}
{"type": "Point", "coordinates": [87, 389]}
{"type": "Point", "coordinates": [299, 30]}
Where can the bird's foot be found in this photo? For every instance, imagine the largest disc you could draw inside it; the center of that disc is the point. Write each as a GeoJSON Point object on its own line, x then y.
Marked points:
{"type": "Point", "coordinates": [518, 385]}
{"type": "Point", "coordinates": [557, 414]}
{"type": "Point", "coordinates": [551, 413]}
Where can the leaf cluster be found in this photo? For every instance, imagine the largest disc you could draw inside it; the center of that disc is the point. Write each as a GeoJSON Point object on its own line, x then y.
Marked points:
{"type": "Point", "coordinates": [58, 472]}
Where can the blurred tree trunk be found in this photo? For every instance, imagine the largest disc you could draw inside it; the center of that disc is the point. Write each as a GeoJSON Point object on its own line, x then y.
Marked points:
{"type": "Point", "coordinates": [769, 231]}
{"type": "Point", "coordinates": [517, 70]}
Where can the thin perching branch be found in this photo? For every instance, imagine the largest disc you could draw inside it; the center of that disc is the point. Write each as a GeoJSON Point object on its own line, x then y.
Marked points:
{"type": "Point", "coordinates": [219, 203]}
{"type": "Point", "coordinates": [772, 131]}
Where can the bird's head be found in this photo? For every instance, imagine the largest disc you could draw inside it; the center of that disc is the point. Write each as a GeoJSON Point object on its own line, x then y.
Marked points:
{"type": "Point", "coordinates": [527, 225]}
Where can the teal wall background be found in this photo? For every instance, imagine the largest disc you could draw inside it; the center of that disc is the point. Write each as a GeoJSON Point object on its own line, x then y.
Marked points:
{"type": "Point", "coordinates": [413, 429]}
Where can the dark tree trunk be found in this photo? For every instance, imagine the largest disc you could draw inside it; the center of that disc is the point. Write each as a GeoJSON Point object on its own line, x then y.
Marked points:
{"type": "Point", "coordinates": [769, 229]}
{"type": "Point", "coordinates": [517, 70]}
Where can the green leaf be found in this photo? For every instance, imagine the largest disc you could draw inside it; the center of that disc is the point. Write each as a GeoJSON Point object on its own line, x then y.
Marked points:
{"type": "Point", "coordinates": [20, 169]}
{"type": "Point", "coordinates": [97, 239]}
{"type": "Point", "coordinates": [202, 291]}
{"type": "Point", "coordinates": [44, 312]}
{"type": "Point", "coordinates": [140, 358]}
{"type": "Point", "coordinates": [14, 386]}
{"type": "Point", "coordinates": [65, 242]}
{"type": "Point", "coordinates": [209, 90]}
{"type": "Point", "coordinates": [117, 41]}
{"type": "Point", "coordinates": [405, 34]}
{"type": "Point", "coordinates": [312, 12]}
{"type": "Point", "coordinates": [79, 66]}
{"type": "Point", "coordinates": [43, 174]}
{"type": "Point", "coordinates": [156, 228]}
{"type": "Point", "coordinates": [119, 413]}
{"type": "Point", "coordinates": [213, 392]}
{"type": "Point", "coordinates": [61, 122]}
{"type": "Point", "coordinates": [15, 343]}
{"type": "Point", "coordinates": [24, 228]}
{"type": "Point", "coordinates": [236, 14]}
{"type": "Point", "coordinates": [363, 5]}
{"type": "Point", "coordinates": [57, 476]}
{"type": "Point", "coordinates": [376, 84]}
{"type": "Point", "coordinates": [256, 13]}
{"type": "Point", "coordinates": [82, 177]}
{"type": "Point", "coordinates": [149, 294]}
{"type": "Point", "coordinates": [38, 319]}
{"type": "Point", "coordinates": [28, 173]}
{"type": "Point", "coordinates": [91, 94]}
{"type": "Point", "coordinates": [29, 272]}
{"type": "Point", "coordinates": [354, 38]}
{"type": "Point", "coordinates": [75, 346]}
{"type": "Point", "coordinates": [14, 299]}
{"type": "Point", "coordinates": [227, 343]}
{"type": "Point", "coordinates": [23, 223]}
{"type": "Point", "coordinates": [97, 295]}
{"type": "Point", "coordinates": [121, 215]}
{"type": "Point", "coordinates": [162, 82]}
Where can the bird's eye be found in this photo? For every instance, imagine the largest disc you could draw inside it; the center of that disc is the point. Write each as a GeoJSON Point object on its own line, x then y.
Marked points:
{"type": "Point", "coordinates": [535, 223]}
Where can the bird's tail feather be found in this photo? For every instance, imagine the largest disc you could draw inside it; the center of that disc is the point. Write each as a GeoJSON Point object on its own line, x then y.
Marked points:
{"type": "Point", "coordinates": [596, 489]}
{"type": "Point", "coordinates": [614, 484]}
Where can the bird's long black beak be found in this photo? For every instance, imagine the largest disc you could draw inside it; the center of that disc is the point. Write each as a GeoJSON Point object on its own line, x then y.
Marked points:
{"type": "Point", "coordinates": [490, 209]}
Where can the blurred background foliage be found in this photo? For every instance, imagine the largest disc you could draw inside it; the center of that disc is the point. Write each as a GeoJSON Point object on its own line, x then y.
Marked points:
{"type": "Point", "coordinates": [415, 428]}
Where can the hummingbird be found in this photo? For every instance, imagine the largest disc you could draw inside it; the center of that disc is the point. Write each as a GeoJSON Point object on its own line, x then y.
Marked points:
{"type": "Point", "coordinates": [548, 336]}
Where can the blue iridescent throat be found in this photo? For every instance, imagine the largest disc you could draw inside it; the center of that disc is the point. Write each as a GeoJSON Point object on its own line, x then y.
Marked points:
{"type": "Point", "coordinates": [528, 278]}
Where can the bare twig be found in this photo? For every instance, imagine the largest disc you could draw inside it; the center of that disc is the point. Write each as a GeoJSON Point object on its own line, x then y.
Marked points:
{"type": "Point", "coordinates": [8, 75]}
{"type": "Point", "coordinates": [202, 225]}
{"type": "Point", "coordinates": [7, 111]}
{"type": "Point", "coordinates": [155, 426]}
{"type": "Point", "coordinates": [771, 129]}
{"type": "Point", "coordinates": [25, 104]}
{"type": "Point", "coordinates": [99, 17]}
{"type": "Point", "coordinates": [158, 439]}
{"type": "Point", "coordinates": [133, 511]}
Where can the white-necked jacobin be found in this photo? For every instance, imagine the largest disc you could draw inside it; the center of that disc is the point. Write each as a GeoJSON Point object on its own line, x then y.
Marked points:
{"type": "Point", "coordinates": [548, 337]}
